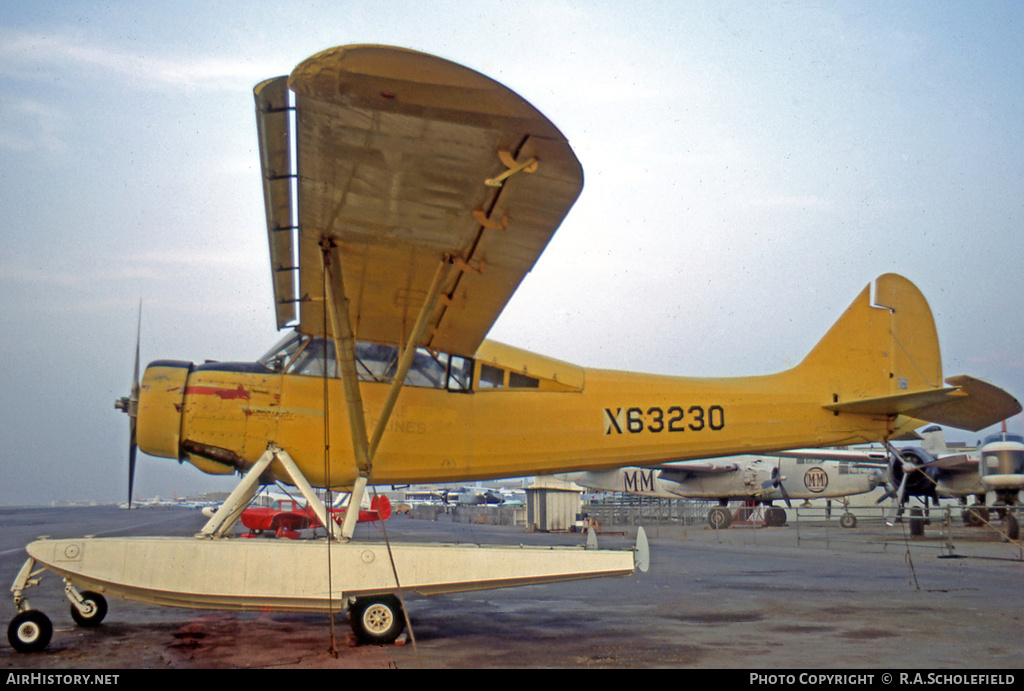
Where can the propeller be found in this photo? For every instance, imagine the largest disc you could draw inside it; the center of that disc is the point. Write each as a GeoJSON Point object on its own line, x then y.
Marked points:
{"type": "Point", "coordinates": [899, 496]}
{"type": "Point", "coordinates": [130, 406]}
{"type": "Point", "coordinates": [776, 482]}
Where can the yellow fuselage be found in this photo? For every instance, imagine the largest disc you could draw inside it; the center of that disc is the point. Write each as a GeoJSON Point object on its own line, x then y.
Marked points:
{"type": "Point", "coordinates": [221, 417]}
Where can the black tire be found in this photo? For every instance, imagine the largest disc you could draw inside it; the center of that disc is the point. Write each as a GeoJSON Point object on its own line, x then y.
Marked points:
{"type": "Point", "coordinates": [916, 523]}
{"type": "Point", "coordinates": [975, 516]}
{"type": "Point", "coordinates": [847, 520]}
{"type": "Point", "coordinates": [719, 517]}
{"type": "Point", "coordinates": [1011, 526]}
{"type": "Point", "coordinates": [377, 619]}
{"type": "Point", "coordinates": [97, 605]}
{"type": "Point", "coordinates": [30, 631]}
{"type": "Point", "coordinates": [774, 517]}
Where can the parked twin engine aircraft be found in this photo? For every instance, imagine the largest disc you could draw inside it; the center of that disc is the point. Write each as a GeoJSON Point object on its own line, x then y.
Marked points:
{"type": "Point", "coordinates": [993, 474]}
{"type": "Point", "coordinates": [751, 479]}
{"type": "Point", "coordinates": [406, 198]}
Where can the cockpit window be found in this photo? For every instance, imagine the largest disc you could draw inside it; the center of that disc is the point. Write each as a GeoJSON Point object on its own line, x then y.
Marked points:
{"type": "Point", "coordinates": [305, 355]}
{"type": "Point", "coordinates": [283, 353]}
{"type": "Point", "coordinates": [1003, 436]}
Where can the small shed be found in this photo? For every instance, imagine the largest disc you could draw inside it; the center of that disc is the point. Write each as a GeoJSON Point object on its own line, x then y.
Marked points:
{"type": "Point", "coordinates": [552, 504]}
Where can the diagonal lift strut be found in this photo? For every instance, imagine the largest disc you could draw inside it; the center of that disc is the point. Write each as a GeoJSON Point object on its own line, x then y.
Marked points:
{"type": "Point", "coordinates": [364, 445]}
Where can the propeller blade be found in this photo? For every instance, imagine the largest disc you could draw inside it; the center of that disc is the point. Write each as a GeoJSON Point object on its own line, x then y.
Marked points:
{"type": "Point", "coordinates": [129, 405]}
{"type": "Point", "coordinates": [132, 448]}
{"type": "Point", "coordinates": [897, 502]}
{"type": "Point", "coordinates": [785, 494]}
{"type": "Point", "coordinates": [135, 374]}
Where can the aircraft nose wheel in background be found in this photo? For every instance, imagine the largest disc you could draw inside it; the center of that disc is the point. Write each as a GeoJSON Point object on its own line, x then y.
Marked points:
{"type": "Point", "coordinates": [1011, 526]}
{"type": "Point", "coordinates": [30, 631]}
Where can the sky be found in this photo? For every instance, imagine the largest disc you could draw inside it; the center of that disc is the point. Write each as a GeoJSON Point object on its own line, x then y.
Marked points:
{"type": "Point", "coordinates": [749, 168]}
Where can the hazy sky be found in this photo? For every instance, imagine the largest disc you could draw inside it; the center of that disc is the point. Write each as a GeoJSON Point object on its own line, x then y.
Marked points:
{"type": "Point", "coordinates": [749, 169]}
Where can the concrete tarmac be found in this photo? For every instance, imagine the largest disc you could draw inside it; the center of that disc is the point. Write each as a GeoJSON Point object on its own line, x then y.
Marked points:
{"type": "Point", "coordinates": [806, 596]}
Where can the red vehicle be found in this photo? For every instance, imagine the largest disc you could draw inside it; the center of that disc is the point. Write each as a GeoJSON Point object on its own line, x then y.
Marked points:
{"type": "Point", "coordinates": [285, 517]}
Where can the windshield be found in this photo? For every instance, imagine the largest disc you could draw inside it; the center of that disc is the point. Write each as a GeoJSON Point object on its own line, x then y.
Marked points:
{"type": "Point", "coordinates": [1004, 436]}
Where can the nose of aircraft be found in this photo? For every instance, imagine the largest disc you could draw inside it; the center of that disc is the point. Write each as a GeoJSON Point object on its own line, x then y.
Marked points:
{"type": "Point", "coordinates": [158, 423]}
{"type": "Point", "coordinates": [154, 411]}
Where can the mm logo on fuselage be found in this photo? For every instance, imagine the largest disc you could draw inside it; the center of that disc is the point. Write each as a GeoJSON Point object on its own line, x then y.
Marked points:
{"type": "Point", "coordinates": [638, 481]}
{"type": "Point", "coordinates": [816, 479]}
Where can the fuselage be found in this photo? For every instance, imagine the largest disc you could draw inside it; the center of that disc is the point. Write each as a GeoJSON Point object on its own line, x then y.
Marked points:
{"type": "Point", "coordinates": [504, 413]}
{"type": "Point", "coordinates": [754, 478]}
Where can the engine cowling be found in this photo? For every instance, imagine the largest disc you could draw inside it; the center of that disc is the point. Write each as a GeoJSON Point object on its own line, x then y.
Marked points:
{"type": "Point", "coordinates": [920, 478]}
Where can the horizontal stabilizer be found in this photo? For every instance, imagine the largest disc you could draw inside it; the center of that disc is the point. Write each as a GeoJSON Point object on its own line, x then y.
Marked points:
{"type": "Point", "coordinates": [968, 403]}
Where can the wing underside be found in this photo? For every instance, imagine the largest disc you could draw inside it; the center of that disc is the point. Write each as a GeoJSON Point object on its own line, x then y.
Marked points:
{"type": "Point", "coordinates": [403, 161]}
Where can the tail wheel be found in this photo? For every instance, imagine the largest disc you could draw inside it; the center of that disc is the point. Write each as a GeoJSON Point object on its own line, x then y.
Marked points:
{"type": "Point", "coordinates": [30, 631]}
{"type": "Point", "coordinates": [378, 619]}
{"type": "Point", "coordinates": [96, 609]}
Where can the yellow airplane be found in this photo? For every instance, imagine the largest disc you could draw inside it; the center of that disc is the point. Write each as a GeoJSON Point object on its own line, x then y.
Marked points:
{"type": "Point", "coordinates": [423, 194]}
{"type": "Point", "coordinates": [406, 198]}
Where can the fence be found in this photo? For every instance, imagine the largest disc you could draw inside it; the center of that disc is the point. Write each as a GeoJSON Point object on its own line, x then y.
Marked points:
{"type": "Point", "coordinates": [632, 510]}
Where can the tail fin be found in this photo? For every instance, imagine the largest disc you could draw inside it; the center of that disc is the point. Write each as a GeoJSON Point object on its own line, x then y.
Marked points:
{"type": "Point", "coordinates": [934, 441]}
{"type": "Point", "coordinates": [882, 358]}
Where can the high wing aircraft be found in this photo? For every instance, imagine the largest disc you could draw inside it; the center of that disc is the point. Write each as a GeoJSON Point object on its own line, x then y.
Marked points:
{"type": "Point", "coordinates": [756, 479]}
{"type": "Point", "coordinates": [406, 198]}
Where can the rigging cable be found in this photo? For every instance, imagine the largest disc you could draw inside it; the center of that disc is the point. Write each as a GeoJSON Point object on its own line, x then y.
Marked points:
{"type": "Point", "coordinates": [333, 648]}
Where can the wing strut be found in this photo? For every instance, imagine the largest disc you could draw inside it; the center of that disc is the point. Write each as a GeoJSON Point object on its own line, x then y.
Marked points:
{"type": "Point", "coordinates": [344, 345]}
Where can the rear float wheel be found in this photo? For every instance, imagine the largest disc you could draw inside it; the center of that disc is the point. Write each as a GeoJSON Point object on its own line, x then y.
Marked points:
{"type": "Point", "coordinates": [377, 619]}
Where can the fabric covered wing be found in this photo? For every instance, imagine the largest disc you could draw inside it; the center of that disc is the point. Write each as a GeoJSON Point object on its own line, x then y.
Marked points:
{"type": "Point", "coordinates": [402, 163]}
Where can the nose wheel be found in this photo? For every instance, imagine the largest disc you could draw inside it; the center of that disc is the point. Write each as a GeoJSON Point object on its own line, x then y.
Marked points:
{"type": "Point", "coordinates": [30, 630]}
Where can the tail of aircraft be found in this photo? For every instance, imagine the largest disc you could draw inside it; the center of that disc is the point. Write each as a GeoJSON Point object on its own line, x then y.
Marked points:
{"type": "Point", "coordinates": [882, 358]}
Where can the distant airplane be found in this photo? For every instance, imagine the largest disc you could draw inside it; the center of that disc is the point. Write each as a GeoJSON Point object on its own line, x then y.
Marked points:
{"type": "Point", "coordinates": [285, 516]}
{"type": "Point", "coordinates": [753, 479]}
{"type": "Point", "coordinates": [479, 495]}
{"type": "Point", "coordinates": [993, 474]}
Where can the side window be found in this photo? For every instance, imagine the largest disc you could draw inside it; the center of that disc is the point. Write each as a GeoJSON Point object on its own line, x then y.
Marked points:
{"type": "Point", "coordinates": [521, 381]}
{"type": "Point", "coordinates": [375, 362]}
{"type": "Point", "coordinates": [460, 374]}
{"type": "Point", "coordinates": [491, 377]}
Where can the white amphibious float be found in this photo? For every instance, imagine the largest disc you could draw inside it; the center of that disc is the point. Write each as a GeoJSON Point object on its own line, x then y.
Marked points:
{"type": "Point", "coordinates": [214, 570]}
